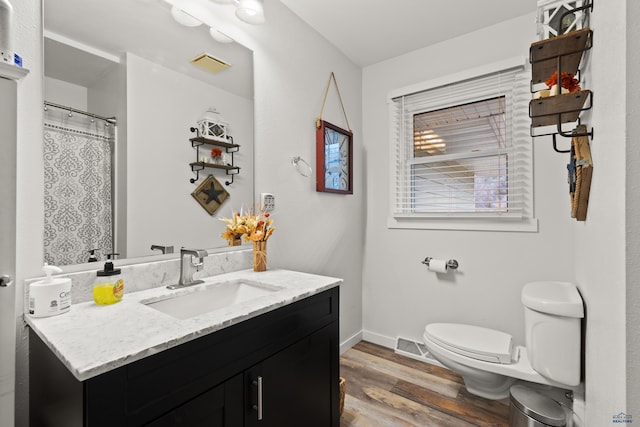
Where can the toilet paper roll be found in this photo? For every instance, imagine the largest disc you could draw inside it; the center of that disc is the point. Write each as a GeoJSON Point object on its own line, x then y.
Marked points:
{"type": "Point", "coordinates": [438, 265]}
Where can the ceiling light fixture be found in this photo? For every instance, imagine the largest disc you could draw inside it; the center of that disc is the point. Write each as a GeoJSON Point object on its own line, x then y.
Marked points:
{"type": "Point", "coordinates": [250, 11]}
{"type": "Point", "coordinates": [184, 18]}
{"type": "Point", "coordinates": [219, 36]}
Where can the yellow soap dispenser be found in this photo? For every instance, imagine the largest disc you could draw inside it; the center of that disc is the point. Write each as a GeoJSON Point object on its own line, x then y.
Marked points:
{"type": "Point", "coordinates": [109, 286]}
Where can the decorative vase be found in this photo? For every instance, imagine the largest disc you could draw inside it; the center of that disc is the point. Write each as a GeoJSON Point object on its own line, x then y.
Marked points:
{"type": "Point", "coordinates": [235, 242]}
{"type": "Point", "coordinates": [260, 256]}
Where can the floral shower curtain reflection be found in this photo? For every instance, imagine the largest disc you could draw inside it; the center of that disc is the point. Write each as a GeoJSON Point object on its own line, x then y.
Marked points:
{"type": "Point", "coordinates": [78, 203]}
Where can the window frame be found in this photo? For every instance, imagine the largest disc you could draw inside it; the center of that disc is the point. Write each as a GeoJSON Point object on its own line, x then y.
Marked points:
{"type": "Point", "coordinates": [494, 221]}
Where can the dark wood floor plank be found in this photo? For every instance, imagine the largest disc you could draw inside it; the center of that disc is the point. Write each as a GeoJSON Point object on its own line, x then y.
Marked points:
{"type": "Point", "coordinates": [461, 408]}
{"type": "Point", "coordinates": [401, 371]}
{"type": "Point", "coordinates": [411, 411]}
{"type": "Point", "coordinates": [359, 413]}
{"type": "Point", "coordinates": [385, 389]}
{"type": "Point", "coordinates": [389, 354]}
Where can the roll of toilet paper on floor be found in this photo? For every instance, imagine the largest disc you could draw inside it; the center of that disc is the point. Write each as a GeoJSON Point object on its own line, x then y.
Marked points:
{"type": "Point", "coordinates": [438, 265]}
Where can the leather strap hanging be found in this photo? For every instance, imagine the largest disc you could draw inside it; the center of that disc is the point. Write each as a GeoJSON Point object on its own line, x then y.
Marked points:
{"type": "Point", "coordinates": [326, 92]}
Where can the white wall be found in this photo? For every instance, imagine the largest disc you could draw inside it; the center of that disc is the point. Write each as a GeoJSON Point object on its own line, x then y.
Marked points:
{"type": "Point", "coordinates": [400, 295]}
{"type": "Point", "coordinates": [599, 242]}
{"type": "Point", "coordinates": [315, 232]}
{"type": "Point", "coordinates": [64, 93]}
{"type": "Point", "coordinates": [632, 208]}
{"type": "Point", "coordinates": [158, 136]}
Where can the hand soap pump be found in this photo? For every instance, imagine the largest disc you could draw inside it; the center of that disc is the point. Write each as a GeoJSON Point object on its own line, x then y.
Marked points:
{"type": "Point", "coordinates": [92, 255]}
{"type": "Point", "coordinates": [109, 287]}
{"type": "Point", "coordinates": [50, 296]}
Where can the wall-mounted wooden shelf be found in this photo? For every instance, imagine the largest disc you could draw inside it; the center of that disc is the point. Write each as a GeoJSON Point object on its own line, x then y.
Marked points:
{"type": "Point", "coordinates": [200, 140]}
{"type": "Point", "coordinates": [562, 53]}
{"type": "Point", "coordinates": [558, 109]}
{"type": "Point", "coordinates": [198, 165]}
{"type": "Point", "coordinates": [201, 165]}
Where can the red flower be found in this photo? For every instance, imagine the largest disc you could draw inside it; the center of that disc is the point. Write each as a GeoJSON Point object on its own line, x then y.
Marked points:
{"type": "Point", "coordinates": [216, 152]}
{"type": "Point", "coordinates": [569, 82]}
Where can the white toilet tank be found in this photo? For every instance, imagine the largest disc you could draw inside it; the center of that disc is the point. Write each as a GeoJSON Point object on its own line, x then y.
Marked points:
{"type": "Point", "coordinates": [553, 318]}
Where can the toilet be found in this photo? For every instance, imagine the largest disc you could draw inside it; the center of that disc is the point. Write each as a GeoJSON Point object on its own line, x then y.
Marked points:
{"type": "Point", "coordinates": [489, 362]}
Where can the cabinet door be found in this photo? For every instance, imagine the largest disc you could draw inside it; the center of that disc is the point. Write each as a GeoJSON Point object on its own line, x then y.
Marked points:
{"type": "Point", "coordinates": [220, 406]}
{"type": "Point", "coordinates": [297, 386]}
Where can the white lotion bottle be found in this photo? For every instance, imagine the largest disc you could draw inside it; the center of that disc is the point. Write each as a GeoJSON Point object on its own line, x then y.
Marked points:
{"type": "Point", "coordinates": [50, 296]}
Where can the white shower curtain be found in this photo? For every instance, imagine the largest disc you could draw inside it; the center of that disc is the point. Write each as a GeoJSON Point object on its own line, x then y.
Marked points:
{"type": "Point", "coordinates": [77, 187]}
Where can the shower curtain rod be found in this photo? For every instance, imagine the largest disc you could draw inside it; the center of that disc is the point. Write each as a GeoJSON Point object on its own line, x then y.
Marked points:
{"type": "Point", "coordinates": [111, 120]}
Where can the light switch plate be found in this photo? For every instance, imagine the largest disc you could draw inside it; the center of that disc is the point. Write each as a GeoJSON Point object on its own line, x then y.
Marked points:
{"type": "Point", "coordinates": [267, 201]}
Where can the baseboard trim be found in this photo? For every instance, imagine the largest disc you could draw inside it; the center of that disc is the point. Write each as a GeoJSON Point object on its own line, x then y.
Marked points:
{"type": "Point", "coordinates": [350, 342]}
{"type": "Point", "coordinates": [379, 339]}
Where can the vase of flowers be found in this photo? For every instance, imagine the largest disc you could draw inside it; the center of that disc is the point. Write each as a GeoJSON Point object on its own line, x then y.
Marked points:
{"type": "Point", "coordinates": [216, 156]}
{"type": "Point", "coordinates": [235, 229]}
{"type": "Point", "coordinates": [259, 229]}
{"type": "Point", "coordinates": [568, 83]}
{"type": "Point", "coordinates": [256, 228]}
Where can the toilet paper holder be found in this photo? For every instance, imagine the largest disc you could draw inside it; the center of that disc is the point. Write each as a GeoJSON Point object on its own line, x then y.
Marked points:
{"type": "Point", "coordinates": [452, 264]}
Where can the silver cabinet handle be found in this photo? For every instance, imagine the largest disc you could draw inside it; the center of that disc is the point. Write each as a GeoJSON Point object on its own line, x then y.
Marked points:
{"type": "Point", "coordinates": [5, 281]}
{"type": "Point", "coordinates": [258, 407]}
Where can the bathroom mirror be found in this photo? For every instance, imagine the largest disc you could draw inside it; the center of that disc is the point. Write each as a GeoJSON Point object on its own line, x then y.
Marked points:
{"type": "Point", "coordinates": [130, 59]}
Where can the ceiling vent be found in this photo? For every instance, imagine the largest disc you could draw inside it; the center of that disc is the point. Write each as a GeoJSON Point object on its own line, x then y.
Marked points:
{"type": "Point", "coordinates": [210, 63]}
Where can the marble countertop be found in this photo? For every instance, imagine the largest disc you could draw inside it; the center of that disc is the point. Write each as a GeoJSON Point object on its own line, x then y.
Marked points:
{"type": "Point", "coordinates": [91, 339]}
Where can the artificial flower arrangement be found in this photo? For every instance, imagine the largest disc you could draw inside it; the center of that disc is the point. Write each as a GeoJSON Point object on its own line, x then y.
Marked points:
{"type": "Point", "coordinates": [568, 84]}
{"type": "Point", "coordinates": [236, 227]}
{"type": "Point", "coordinates": [568, 81]}
{"type": "Point", "coordinates": [216, 152]}
{"type": "Point", "coordinates": [255, 227]}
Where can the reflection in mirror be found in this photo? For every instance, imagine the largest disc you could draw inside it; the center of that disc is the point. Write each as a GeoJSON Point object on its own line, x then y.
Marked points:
{"type": "Point", "coordinates": [123, 185]}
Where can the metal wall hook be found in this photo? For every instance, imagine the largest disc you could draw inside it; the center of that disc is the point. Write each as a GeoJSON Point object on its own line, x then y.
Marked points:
{"type": "Point", "coordinates": [452, 264]}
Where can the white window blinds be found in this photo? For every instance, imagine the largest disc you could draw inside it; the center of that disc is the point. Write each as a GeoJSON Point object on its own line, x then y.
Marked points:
{"type": "Point", "coordinates": [464, 149]}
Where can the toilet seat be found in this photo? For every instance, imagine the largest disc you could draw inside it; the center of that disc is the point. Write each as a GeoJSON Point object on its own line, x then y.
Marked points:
{"type": "Point", "coordinates": [472, 341]}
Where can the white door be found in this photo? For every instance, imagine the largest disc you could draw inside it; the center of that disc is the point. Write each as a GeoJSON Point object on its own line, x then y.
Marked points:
{"type": "Point", "coordinates": [8, 123]}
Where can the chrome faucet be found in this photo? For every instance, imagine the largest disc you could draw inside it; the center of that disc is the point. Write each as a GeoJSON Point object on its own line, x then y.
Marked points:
{"type": "Point", "coordinates": [188, 269]}
{"type": "Point", "coordinates": [164, 249]}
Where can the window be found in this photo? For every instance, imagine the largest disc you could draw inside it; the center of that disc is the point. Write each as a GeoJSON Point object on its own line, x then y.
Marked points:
{"type": "Point", "coordinates": [462, 155]}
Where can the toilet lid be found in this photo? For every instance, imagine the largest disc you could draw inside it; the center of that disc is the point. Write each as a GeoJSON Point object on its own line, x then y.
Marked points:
{"type": "Point", "coordinates": [472, 341]}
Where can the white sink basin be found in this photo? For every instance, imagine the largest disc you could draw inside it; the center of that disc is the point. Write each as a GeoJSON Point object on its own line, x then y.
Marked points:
{"type": "Point", "coordinates": [210, 298]}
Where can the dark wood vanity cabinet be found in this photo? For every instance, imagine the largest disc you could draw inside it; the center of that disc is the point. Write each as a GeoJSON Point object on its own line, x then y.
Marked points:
{"type": "Point", "coordinates": [278, 369]}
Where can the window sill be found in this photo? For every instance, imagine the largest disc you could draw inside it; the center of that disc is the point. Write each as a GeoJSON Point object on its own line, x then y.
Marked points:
{"type": "Point", "coordinates": [522, 225]}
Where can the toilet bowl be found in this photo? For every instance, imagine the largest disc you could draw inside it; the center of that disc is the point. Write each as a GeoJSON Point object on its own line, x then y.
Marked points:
{"type": "Point", "coordinates": [490, 364]}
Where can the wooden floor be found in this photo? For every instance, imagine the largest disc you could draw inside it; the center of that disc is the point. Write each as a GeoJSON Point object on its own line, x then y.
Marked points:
{"type": "Point", "coordinates": [386, 389]}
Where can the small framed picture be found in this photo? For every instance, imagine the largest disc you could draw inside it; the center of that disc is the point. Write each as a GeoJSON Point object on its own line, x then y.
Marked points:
{"type": "Point", "coordinates": [334, 159]}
